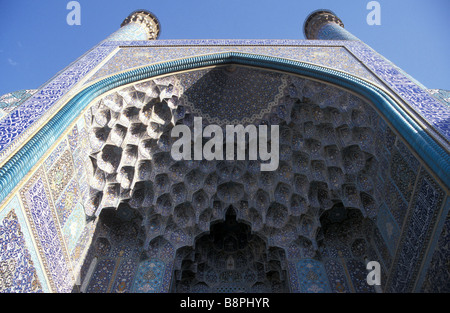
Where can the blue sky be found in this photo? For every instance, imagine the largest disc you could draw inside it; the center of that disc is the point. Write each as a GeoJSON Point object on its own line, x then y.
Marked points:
{"type": "Point", "coordinates": [36, 42]}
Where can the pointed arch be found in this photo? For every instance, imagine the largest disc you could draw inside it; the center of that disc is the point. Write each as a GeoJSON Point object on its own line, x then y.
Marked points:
{"type": "Point", "coordinates": [434, 156]}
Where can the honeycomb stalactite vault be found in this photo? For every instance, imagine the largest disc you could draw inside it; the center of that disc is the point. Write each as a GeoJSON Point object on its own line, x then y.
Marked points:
{"type": "Point", "coordinates": [328, 158]}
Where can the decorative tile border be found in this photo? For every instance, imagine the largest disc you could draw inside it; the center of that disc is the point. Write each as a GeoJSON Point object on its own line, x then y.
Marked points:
{"type": "Point", "coordinates": [388, 228]}
{"type": "Point", "coordinates": [20, 269]}
{"type": "Point", "coordinates": [423, 144]}
{"type": "Point", "coordinates": [437, 277]}
{"type": "Point", "coordinates": [432, 111]}
{"type": "Point", "coordinates": [15, 127]}
{"type": "Point", "coordinates": [19, 124]}
{"type": "Point", "coordinates": [129, 57]}
{"type": "Point", "coordinates": [101, 278]}
{"type": "Point", "coordinates": [38, 206]}
{"type": "Point", "coordinates": [424, 210]}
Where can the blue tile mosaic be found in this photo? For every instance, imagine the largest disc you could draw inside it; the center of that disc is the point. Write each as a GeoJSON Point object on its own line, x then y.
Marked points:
{"type": "Point", "coordinates": [19, 266]}
{"type": "Point", "coordinates": [39, 209]}
{"type": "Point", "coordinates": [426, 204]}
{"type": "Point", "coordinates": [312, 277]}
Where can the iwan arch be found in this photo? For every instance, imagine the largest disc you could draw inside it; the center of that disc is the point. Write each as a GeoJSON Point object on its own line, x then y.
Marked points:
{"type": "Point", "coordinates": [94, 202]}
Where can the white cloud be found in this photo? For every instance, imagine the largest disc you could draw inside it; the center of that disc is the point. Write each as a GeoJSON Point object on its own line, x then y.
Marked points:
{"type": "Point", "coordinates": [12, 62]}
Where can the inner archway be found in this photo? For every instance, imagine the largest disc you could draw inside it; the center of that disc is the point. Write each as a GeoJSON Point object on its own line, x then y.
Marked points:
{"type": "Point", "coordinates": [230, 258]}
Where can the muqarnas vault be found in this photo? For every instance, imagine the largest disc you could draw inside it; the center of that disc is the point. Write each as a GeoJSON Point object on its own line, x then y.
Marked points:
{"type": "Point", "coordinates": [92, 201]}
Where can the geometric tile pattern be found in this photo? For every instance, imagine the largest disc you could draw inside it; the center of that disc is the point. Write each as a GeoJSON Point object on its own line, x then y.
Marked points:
{"type": "Point", "coordinates": [336, 276]}
{"type": "Point", "coordinates": [425, 207]}
{"type": "Point", "coordinates": [74, 227]}
{"type": "Point", "coordinates": [102, 276]}
{"type": "Point", "coordinates": [358, 273]}
{"type": "Point", "coordinates": [438, 276]}
{"type": "Point", "coordinates": [39, 209]}
{"type": "Point", "coordinates": [125, 274]}
{"type": "Point", "coordinates": [402, 175]}
{"type": "Point", "coordinates": [312, 277]}
{"type": "Point", "coordinates": [67, 202]}
{"type": "Point", "coordinates": [60, 174]}
{"type": "Point", "coordinates": [16, 127]}
{"type": "Point", "coordinates": [131, 57]}
{"type": "Point", "coordinates": [388, 228]}
{"type": "Point", "coordinates": [17, 269]}
{"type": "Point", "coordinates": [149, 276]}
{"type": "Point", "coordinates": [431, 110]}
{"type": "Point", "coordinates": [224, 90]}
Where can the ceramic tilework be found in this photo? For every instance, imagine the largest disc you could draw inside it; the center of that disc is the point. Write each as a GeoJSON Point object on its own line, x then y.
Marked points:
{"type": "Point", "coordinates": [149, 277]}
{"type": "Point", "coordinates": [59, 227]}
{"type": "Point", "coordinates": [432, 110]}
{"type": "Point", "coordinates": [425, 207]}
{"type": "Point", "coordinates": [40, 212]}
{"type": "Point", "coordinates": [441, 95]}
{"type": "Point", "coordinates": [382, 248]}
{"type": "Point", "coordinates": [102, 276]}
{"type": "Point", "coordinates": [11, 100]}
{"type": "Point", "coordinates": [73, 138]}
{"type": "Point", "coordinates": [130, 31]}
{"type": "Point", "coordinates": [55, 154]}
{"type": "Point", "coordinates": [19, 267]}
{"type": "Point", "coordinates": [73, 227]}
{"type": "Point", "coordinates": [124, 280]}
{"type": "Point", "coordinates": [131, 57]}
{"type": "Point", "coordinates": [437, 279]}
{"type": "Point", "coordinates": [332, 31]}
{"type": "Point", "coordinates": [16, 127]}
{"type": "Point", "coordinates": [348, 240]}
{"type": "Point", "coordinates": [254, 97]}
{"type": "Point", "coordinates": [43, 101]}
{"type": "Point", "coordinates": [336, 276]}
{"type": "Point", "coordinates": [395, 202]}
{"type": "Point", "coordinates": [402, 175]}
{"type": "Point", "coordinates": [388, 227]}
{"type": "Point", "coordinates": [358, 273]}
{"type": "Point", "coordinates": [82, 236]}
{"type": "Point", "coordinates": [312, 277]}
{"type": "Point", "coordinates": [64, 206]}
{"type": "Point", "coordinates": [60, 174]}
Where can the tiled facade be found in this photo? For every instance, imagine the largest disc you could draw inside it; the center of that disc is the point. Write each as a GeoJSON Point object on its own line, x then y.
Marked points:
{"type": "Point", "coordinates": [50, 213]}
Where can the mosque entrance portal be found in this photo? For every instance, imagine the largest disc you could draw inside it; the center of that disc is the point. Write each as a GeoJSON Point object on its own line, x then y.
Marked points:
{"type": "Point", "coordinates": [230, 258]}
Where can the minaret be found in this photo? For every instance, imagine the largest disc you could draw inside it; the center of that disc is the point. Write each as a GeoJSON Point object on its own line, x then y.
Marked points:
{"type": "Point", "coordinates": [139, 25]}
{"type": "Point", "coordinates": [325, 25]}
